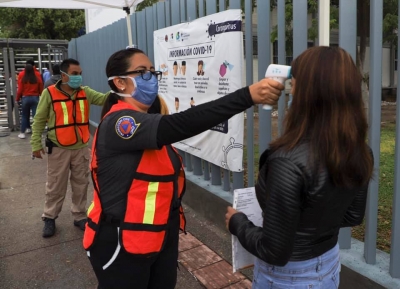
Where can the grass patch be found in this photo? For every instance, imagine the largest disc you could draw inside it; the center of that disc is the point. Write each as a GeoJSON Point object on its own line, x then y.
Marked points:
{"type": "Point", "coordinates": [385, 197]}
{"type": "Point", "coordinates": [256, 162]}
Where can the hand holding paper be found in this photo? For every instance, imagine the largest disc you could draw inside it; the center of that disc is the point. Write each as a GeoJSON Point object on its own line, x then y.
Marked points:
{"type": "Point", "coordinates": [229, 213]}
{"type": "Point", "coordinates": [245, 201]}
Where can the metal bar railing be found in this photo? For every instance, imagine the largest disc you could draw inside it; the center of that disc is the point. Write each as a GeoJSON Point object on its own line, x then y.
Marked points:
{"type": "Point", "coordinates": [161, 19]}
{"type": "Point", "coordinates": [281, 59]}
{"type": "Point", "coordinates": [183, 11]}
{"type": "Point", "coordinates": [264, 59]}
{"type": "Point", "coordinates": [348, 41]}
{"type": "Point", "coordinates": [375, 96]}
{"type": "Point", "coordinates": [394, 266]}
{"type": "Point", "coordinates": [175, 12]}
{"type": "Point", "coordinates": [248, 9]}
{"type": "Point", "coordinates": [149, 30]}
{"type": "Point", "coordinates": [238, 177]}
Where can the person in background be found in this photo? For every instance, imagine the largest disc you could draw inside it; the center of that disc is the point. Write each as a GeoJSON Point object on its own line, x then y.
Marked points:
{"type": "Point", "coordinates": [65, 108]}
{"type": "Point", "coordinates": [22, 73]}
{"type": "Point", "coordinates": [133, 224]}
{"type": "Point", "coordinates": [313, 180]}
{"type": "Point", "coordinates": [20, 76]}
{"type": "Point", "coordinates": [29, 90]}
{"type": "Point", "coordinates": [46, 73]}
{"type": "Point", "coordinates": [55, 77]}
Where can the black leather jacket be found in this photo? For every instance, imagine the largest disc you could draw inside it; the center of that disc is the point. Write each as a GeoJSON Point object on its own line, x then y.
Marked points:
{"type": "Point", "coordinates": [302, 212]}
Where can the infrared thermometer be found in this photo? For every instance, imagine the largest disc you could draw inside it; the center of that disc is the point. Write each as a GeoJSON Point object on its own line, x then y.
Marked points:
{"type": "Point", "coordinates": [279, 73]}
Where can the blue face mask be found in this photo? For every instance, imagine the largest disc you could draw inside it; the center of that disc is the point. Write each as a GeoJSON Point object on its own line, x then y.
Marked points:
{"type": "Point", "coordinates": [75, 81]}
{"type": "Point", "coordinates": [145, 91]}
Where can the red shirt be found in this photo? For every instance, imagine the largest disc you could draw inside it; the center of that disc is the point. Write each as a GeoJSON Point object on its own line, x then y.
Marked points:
{"type": "Point", "coordinates": [22, 73]}
{"type": "Point", "coordinates": [29, 89]}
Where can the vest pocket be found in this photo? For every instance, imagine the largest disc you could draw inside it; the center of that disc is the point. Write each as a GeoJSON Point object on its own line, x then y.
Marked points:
{"type": "Point", "coordinates": [142, 242]}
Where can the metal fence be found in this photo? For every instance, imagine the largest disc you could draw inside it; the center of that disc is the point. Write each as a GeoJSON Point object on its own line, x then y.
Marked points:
{"type": "Point", "coordinates": [92, 51]}
{"type": "Point", "coordinates": [13, 56]}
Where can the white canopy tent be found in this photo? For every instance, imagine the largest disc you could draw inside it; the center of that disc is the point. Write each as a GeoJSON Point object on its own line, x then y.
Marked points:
{"type": "Point", "coordinates": [126, 5]}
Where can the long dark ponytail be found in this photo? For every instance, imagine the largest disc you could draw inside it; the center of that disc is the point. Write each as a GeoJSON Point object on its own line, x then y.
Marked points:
{"type": "Point", "coordinates": [117, 65]}
{"type": "Point", "coordinates": [112, 99]}
{"type": "Point", "coordinates": [29, 76]}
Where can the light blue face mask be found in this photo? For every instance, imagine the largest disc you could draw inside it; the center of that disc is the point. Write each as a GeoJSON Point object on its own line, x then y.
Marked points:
{"type": "Point", "coordinates": [75, 81]}
{"type": "Point", "coordinates": [145, 91]}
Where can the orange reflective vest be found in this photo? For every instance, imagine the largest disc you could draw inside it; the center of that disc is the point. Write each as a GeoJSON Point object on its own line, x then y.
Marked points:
{"type": "Point", "coordinates": [69, 115]}
{"type": "Point", "coordinates": [154, 188]}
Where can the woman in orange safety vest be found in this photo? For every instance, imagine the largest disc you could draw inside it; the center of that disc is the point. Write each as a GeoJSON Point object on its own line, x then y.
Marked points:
{"type": "Point", "coordinates": [132, 233]}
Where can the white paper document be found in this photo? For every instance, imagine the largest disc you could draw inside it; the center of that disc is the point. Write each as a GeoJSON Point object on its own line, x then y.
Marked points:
{"type": "Point", "coordinates": [245, 201]}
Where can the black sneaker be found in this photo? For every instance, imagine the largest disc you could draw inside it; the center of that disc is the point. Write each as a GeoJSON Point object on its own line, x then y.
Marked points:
{"type": "Point", "coordinates": [81, 224]}
{"type": "Point", "coordinates": [49, 227]}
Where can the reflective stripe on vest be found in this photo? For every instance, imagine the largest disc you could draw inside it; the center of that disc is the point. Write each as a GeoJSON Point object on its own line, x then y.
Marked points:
{"type": "Point", "coordinates": [150, 203]}
{"type": "Point", "coordinates": [82, 107]}
{"type": "Point", "coordinates": [71, 117]}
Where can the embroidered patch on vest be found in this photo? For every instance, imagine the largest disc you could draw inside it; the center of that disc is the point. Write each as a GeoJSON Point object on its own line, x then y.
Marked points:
{"type": "Point", "coordinates": [126, 127]}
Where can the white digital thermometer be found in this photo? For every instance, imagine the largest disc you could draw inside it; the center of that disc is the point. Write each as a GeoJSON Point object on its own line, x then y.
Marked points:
{"type": "Point", "coordinates": [279, 73]}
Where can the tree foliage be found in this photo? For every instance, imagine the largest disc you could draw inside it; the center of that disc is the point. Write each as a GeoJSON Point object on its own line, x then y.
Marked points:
{"type": "Point", "coordinates": [41, 23]}
{"type": "Point", "coordinates": [144, 4]}
{"type": "Point", "coordinates": [390, 21]}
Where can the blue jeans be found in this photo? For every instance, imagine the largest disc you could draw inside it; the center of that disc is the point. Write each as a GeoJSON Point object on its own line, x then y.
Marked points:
{"type": "Point", "coordinates": [28, 103]}
{"type": "Point", "coordinates": [322, 272]}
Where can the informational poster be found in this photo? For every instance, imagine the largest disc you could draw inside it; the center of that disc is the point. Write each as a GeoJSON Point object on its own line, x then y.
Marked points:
{"type": "Point", "coordinates": [245, 201]}
{"type": "Point", "coordinates": [202, 61]}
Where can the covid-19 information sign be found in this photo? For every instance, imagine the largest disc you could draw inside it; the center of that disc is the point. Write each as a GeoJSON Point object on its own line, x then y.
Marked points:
{"type": "Point", "coordinates": [202, 61]}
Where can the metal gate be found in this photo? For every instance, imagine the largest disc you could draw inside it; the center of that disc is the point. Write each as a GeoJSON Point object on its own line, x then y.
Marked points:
{"type": "Point", "coordinates": [13, 58]}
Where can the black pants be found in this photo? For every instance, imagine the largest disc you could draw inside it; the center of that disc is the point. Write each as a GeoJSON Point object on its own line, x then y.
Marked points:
{"type": "Point", "coordinates": [135, 272]}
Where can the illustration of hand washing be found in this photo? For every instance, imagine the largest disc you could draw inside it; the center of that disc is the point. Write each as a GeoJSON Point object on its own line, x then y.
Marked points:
{"type": "Point", "coordinates": [164, 69]}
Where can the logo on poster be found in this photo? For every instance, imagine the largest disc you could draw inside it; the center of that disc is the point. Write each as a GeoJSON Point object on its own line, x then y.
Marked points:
{"type": "Point", "coordinates": [185, 36]}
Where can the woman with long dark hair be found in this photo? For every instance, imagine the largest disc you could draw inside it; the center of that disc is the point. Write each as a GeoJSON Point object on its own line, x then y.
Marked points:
{"type": "Point", "coordinates": [133, 223]}
{"type": "Point", "coordinates": [313, 179]}
{"type": "Point", "coordinates": [29, 90]}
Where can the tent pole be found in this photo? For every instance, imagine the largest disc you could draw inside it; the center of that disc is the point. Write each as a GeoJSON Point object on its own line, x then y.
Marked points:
{"type": "Point", "coordinates": [324, 22]}
{"type": "Point", "coordinates": [128, 24]}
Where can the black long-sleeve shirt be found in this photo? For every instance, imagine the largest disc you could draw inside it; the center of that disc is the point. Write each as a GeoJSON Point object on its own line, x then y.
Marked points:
{"type": "Point", "coordinates": [123, 135]}
{"type": "Point", "coordinates": [302, 212]}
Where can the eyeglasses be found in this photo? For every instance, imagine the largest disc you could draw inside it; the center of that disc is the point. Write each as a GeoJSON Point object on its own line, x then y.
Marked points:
{"type": "Point", "coordinates": [146, 74]}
